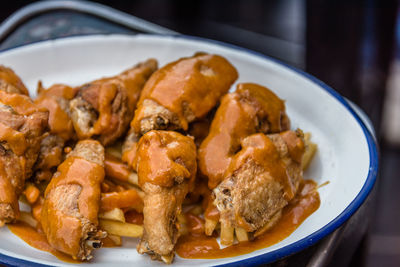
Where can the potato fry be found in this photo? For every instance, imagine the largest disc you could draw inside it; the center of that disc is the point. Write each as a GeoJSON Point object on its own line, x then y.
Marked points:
{"type": "Point", "coordinates": [209, 226]}
{"type": "Point", "coordinates": [241, 234]}
{"type": "Point", "coordinates": [196, 210]}
{"type": "Point", "coordinates": [115, 150]}
{"type": "Point", "coordinates": [28, 218]}
{"type": "Point", "coordinates": [116, 239]}
{"type": "Point", "coordinates": [133, 178]}
{"type": "Point", "coordinates": [310, 149]}
{"type": "Point", "coordinates": [118, 170]}
{"type": "Point", "coordinates": [120, 228]}
{"type": "Point", "coordinates": [114, 214]}
{"type": "Point", "coordinates": [31, 193]}
{"type": "Point", "coordinates": [167, 258]}
{"type": "Point", "coordinates": [125, 199]}
{"type": "Point", "coordinates": [226, 234]}
{"type": "Point", "coordinates": [274, 219]}
{"type": "Point", "coordinates": [182, 224]}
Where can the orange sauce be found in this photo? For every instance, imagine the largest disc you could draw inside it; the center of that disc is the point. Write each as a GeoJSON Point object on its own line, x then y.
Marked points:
{"type": "Point", "coordinates": [116, 169]}
{"type": "Point", "coordinates": [134, 217]}
{"type": "Point", "coordinates": [16, 140]}
{"type": "Point", "coordinates": [9, 77]}
{"type": "Point", "coordinates": [164, 155]}
{"type": "Point", "coordinates": [200, 246]}
{"type": "Point", "coordinates": [38, 240]}
{"type": "Point", "coordinates": [108, 243]}
{"type": "Point", "coordinates": [124, 199]}
{"type": "Point", "coordinates": [237, 117]}
{"type": "Point", "coordinates": [59, 120]}
{"type": "Point", "coordinates": [22, 104]}
{"type": "Point", "coordinates": [197, 82]}
{"type": "Point", "coordinates": [63, 231]}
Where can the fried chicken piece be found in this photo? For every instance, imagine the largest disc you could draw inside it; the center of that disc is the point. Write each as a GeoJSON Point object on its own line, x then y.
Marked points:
{"type": "Point", "coordinates": [262, 178]}
{"type": "Point", "coordinates": [183, 91]}
{"type": "Point", "coordinates": [72, 199]}
{"type": "Point", "coordinates": [250, 109]}
{"type": "Point", "coordinates": [22, 125]}
{"type": "Point", "coordinates": [166, 166]}
{"type": "Point", "coordinates": [103, 108]}
{"type": "Point", "coordinates": [177, 94]}
{"type": "Point", "coordinates": [50, 156]}
{"type": "Point", "coordinates": [10, 82]}
{"type": "Point", "coordinates": [56, 100]}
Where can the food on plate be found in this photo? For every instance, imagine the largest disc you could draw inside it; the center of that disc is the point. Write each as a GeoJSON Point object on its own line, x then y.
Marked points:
{"type": "Point", "coordinates": [56, 100]}
{"type": "Point", "coordinates": [22, 125]}
{"type": "Point", "coordinates": [261, 179]}
{"type": "Point", "coordinates": [10, 82]}
{"type": "Point", "coordinates": [69, 216]}
{"type": "Point", "coordinates": [250, 109]}
{"type": "Point", "coordinates": [166, 156]}
{"type": "Point", "coordinates": [179, 93]}
{"type": "Point", "coordinates": [104, 108]}
{"type": "Point", "coordinates": [183, 91]}
{"type": "Point", "coordinates": [166, 166]}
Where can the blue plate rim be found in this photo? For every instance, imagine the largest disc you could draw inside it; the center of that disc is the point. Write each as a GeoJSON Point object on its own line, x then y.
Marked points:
{"type": "Point", "coordinates": [306, 241]}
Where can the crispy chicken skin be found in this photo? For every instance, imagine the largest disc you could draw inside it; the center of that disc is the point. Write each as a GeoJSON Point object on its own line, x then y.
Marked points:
{"type": "Point", "coordinates": [50, 156]}
{"type": "Point", "coordinates": [166, 166]}
{"type": "Point", "coordinates": [22, 125]}
{"type": "Point", "coordinates": [72, 198]}
{"type": "Point", "coordinates": [250, 109]}
{"type": "Point", "coordinates": [56, 100]}
{"type": "Point", "coordinates": [103, 108]}
{"type": "Point", "coordinates": [10, 82]}
{"type": "Point", "coordinates": [177, 94]}
{"type": "Point", "coordinates": [183, 91]}
{"type": "Point", "coordinates": [262, 178]}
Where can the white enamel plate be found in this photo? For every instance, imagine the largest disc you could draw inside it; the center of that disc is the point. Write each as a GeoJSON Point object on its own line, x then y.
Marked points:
{"type": "Point", "coordinates": [347, 155]}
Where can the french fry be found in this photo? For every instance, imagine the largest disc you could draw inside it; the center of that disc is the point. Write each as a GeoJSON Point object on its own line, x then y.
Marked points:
{"type": "Point", "coordinates": [27, 218]}
{"type": "Point", "coordinates": [226, 234]}
{"type": "Point", "coordinates": [167, 258]}
{"type": "Point", "coordinates": [182, 226]}
{"type": "Point", "coordinates": [310, 149]}
{"type": "Point", "coordinates": [241, 234]}
{"type": "Point", "coordinates": [114, 214]}
{"type": "Point", "coordinates": [118, 170]}
{"type": "Point", "coordinates": [116, 239]}
{"type": "Point", "coordinates": [274, 219]}
{"type": "Point", "coordinates": [209, 226]}
{"type": "Point", "coordinates": [114, 150]}
{"type": "Point", "coordinates": [196, 210]}
{"type": "Point", "coordinates": [31, 193]}
{"type": "Point", "coordinates": [120, 228]}
{"type": "Point", "coordinates": [125, 199]}
{"type": "Point", "coordinates": [133, 178]}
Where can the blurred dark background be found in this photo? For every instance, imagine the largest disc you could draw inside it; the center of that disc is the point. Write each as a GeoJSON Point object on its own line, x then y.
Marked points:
{"type": "Point", "coordinates": [353, 46]}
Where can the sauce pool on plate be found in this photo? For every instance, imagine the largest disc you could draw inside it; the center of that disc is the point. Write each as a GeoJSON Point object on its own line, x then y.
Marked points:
{"type": "Point", "coordinates": [200, 246]}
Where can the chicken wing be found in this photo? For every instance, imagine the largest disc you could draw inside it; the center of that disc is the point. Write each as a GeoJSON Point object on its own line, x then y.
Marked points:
{"type": "Point", "coordinates": [22, 125]}
{"type": "Point", "coordinates": [261, 179]}
{"type": "Point", "coordinates": [183, 91]}
{"type": "Point", "coordinates": [10, 82]}
{"type": "Point", "coordinates": [251, 109]}
{"type": "Point", "coordinates": [166, 166]}
{"type": "Point", "coordinates": [72, 199]}
{"type": "Point", "coordinates": [56, 100]}
{"type": "Point", "coordinates": [103, 109]}
{"type": "Point", "coordinates": [177, 94]}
